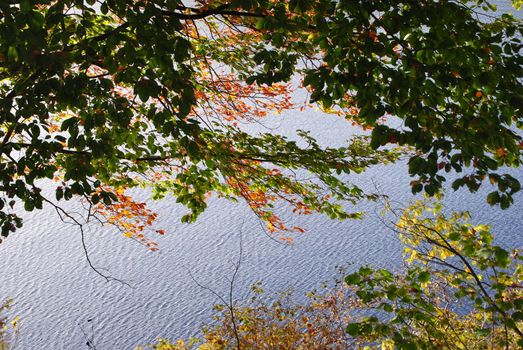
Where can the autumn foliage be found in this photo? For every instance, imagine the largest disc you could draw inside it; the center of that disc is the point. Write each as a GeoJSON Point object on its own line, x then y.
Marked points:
{"type": "Point", "coordinates": [457, 290]}
{"type": "Point", "coordinates": [111, 95]}
{"type": "Point", "coordinates": [8, 327]}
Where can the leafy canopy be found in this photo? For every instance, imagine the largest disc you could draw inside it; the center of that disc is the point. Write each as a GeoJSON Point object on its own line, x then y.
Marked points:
{"type": "Point", "coordinates": [109, 94]}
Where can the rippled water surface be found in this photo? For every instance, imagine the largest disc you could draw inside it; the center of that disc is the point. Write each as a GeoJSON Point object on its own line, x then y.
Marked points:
{"type": "Point", "coordinates": [44, 269]}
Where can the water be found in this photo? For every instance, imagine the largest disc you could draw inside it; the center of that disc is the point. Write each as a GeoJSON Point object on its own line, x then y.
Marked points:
{"type": "Point", "coordinates": [56, 293]}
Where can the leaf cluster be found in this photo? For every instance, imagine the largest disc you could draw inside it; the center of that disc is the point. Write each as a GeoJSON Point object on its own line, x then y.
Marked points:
{"type": "Point", "coordinates": [116, 94]}
{"type": "Point", "coordinates": [458, 290]}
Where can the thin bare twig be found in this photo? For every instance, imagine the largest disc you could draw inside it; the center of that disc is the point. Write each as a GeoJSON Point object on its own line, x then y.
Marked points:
{"type": "Point", "coordinates": [63, 214]}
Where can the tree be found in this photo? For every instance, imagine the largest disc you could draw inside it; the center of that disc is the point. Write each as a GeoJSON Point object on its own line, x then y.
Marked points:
{"type": "Point", "coordinates": [277, 323]}
{"type": "Point", "coordinates": [459, 290]}
{"type": "Point", "coordinates": [8, 327]}
{"type": "Point", "coordinates": [109, 94]}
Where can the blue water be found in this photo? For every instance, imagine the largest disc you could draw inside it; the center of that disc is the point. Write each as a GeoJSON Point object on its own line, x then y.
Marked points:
{"type": "Point", "coordinates": [55, 293]}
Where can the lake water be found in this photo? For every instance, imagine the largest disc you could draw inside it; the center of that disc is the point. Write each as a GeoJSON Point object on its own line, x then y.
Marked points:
{"type": "Point", "coordinates": [44, 269]}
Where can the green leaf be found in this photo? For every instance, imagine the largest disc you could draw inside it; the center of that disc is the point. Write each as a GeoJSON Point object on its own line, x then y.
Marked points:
{"type": "Point", "coordinates": [493, 198]}
{"type": "Point", "coordinates": [353, 329]}
{"type": "Point", "coordinates": [424, 276]}
{"type": "Point", "coordinates": [12, 54]}
{"type": "Point", "coordinates": [353, 278]}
